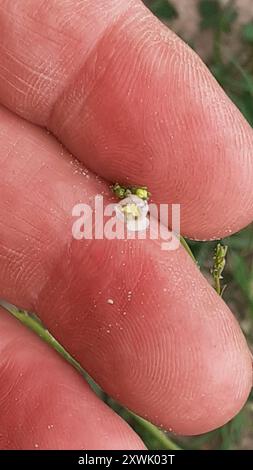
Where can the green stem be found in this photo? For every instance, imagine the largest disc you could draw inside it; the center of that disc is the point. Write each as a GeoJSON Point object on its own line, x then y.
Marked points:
{"type": "Point", "coordinates": [154, 432]}
{"type": "Point", "coordinates": [34, 324]}
{"type": "Point", "coordinates": [187, 248]}
{"type": "Point", "coordinates": [217, 285]}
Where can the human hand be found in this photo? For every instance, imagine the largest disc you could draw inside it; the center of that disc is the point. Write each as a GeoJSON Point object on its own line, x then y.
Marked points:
{"type": "Point", "coordinates": [134, 104]}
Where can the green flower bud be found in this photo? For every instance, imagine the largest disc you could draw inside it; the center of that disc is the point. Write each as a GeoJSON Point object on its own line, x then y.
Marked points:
{"type": "Point", "coordinates": [142, 193]}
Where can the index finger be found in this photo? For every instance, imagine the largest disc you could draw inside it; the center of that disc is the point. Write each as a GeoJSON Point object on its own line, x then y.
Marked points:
{"type": "Point", "coordinates": [132, 101]}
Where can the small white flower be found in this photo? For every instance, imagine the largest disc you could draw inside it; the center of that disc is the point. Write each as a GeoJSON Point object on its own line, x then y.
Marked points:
{"type": "Point", "coordinates": [133, 211]}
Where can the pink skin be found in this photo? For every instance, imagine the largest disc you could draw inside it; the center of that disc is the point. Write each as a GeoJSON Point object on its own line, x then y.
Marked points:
{"type": "Point", "coordinates": [178, 356]}
{"type": "Point", "coordinates": [45, 404]}
{"type": "Point", "coordinates": [130, 100]}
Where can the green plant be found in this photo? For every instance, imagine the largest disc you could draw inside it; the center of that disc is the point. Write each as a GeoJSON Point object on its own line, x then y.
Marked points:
{"type": "Point", "coordinates": [163, 9]}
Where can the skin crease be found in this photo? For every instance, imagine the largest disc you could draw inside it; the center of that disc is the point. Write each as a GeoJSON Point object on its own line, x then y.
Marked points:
{"type": "Point", "coordinates": [163, 347]}
{"type": "Point", "coordinates": [45, 404]}
{"type": "Point", "coordinates": [171, 126]}
{"type": "Point", "coordinates": [177, 357]}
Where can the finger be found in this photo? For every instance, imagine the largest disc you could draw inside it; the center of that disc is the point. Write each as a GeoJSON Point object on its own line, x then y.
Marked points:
{"type": "Point", "coordinates": [133, 102]}
{"type": "Point", "coordinates": [45, 404]}
{"type": "Point", "coordinates": [143, 322]}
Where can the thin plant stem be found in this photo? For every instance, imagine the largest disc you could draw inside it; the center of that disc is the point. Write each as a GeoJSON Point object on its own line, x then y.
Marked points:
{"type": "Point", "coordinates": [187, 248]}
{"type": "Point", "coordinates": [164, 441]}
{"type": "Point", "coordinates": [152, 432]}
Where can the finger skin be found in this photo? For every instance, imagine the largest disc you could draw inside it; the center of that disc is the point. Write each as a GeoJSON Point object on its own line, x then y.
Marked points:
{"type": "Point", "coordinates": [167, 347]}
{"type": "Point", "coordinates": [132, 101]}
{"type": "Point", "coordinates": [45, 404]}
